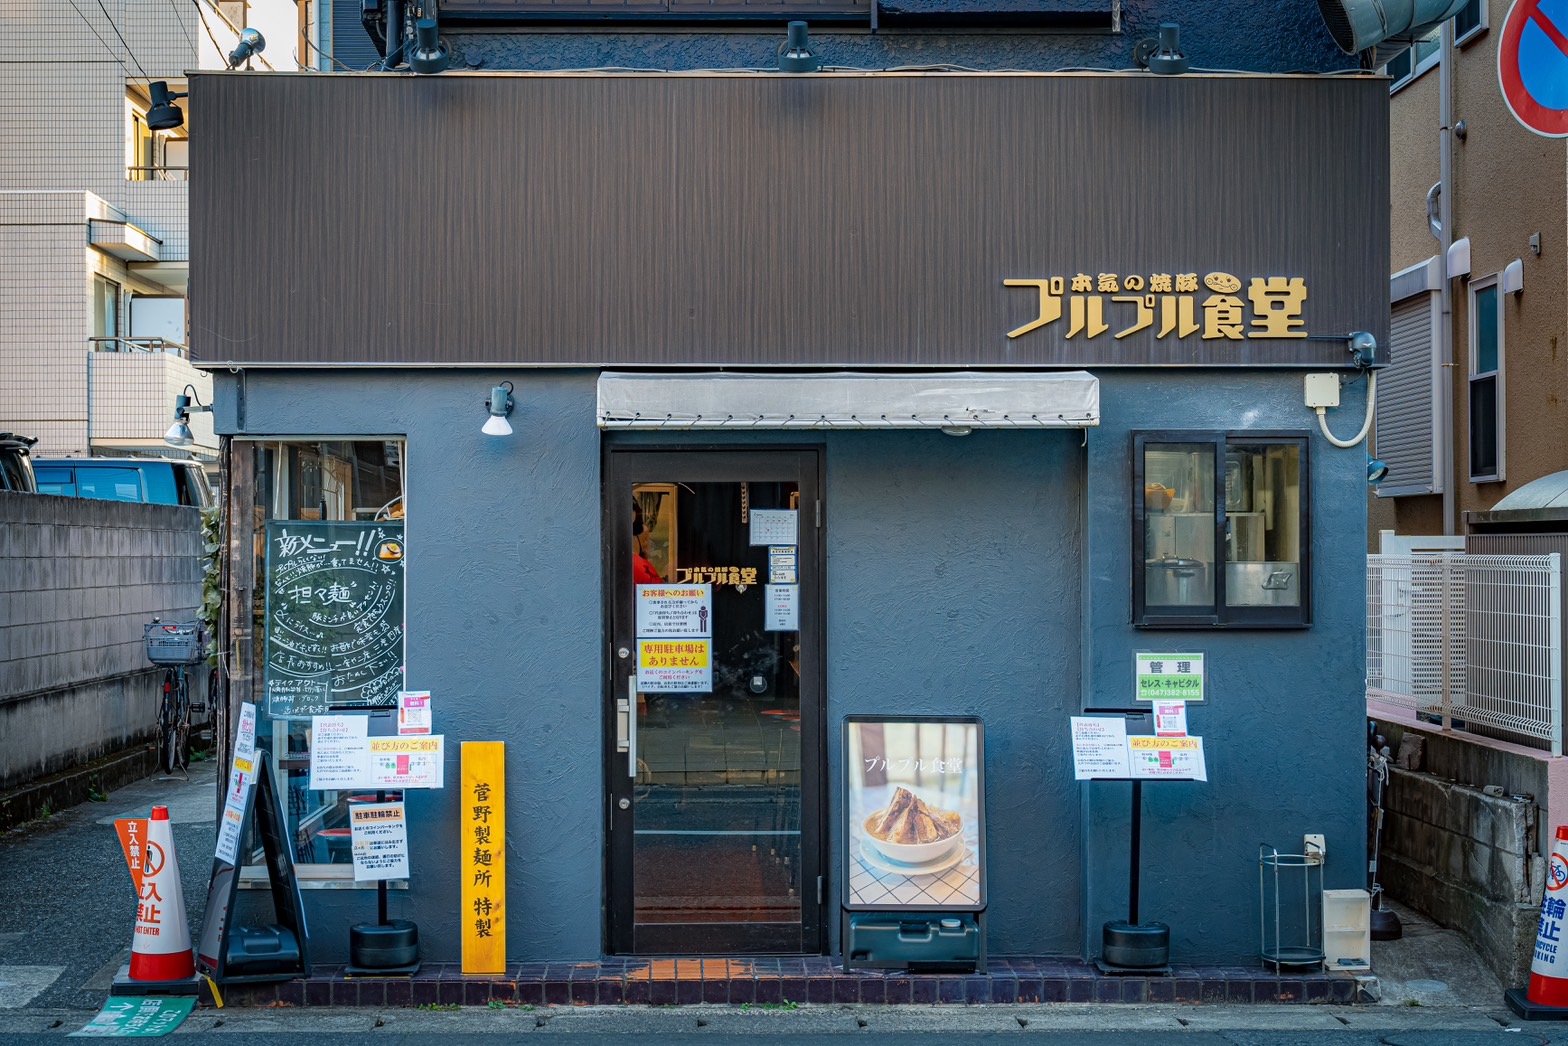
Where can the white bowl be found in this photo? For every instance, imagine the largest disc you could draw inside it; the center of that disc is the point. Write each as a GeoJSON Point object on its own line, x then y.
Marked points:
{"type": "Point", "coordinates": [908, 853]}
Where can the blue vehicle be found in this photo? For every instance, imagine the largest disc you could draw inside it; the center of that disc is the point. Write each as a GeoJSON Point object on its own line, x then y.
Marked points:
{"type": "Point", "coordinates": [154, 481]}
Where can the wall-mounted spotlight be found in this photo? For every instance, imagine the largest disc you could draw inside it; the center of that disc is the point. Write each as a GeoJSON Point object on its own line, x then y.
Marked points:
{"type": "Point", "coordinates": [499, 405]}
{"type": "Point", "coordinates": [795, 53]}
{"type": "Point", "coordinates": [179, 434]}
{"type": "Point", "coordinates": [163, 114]}
{"type": "Point", "coordinates": [251, 43]}
{"type": "Point", "coordinates": [430, 55]}
{"type": "Point", "coordinates": [1163, 57]}
{"type": "Point", "coordinates": [1377, 471]}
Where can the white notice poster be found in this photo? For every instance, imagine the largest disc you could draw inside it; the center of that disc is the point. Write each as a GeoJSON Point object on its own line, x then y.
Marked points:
{"type": "Point", "coordinates": [379, 834]}
{"type": "Point", "coordinates": [414, 714]}
{"type": "Point", "coordinates": [674, 611]}
{"type": "Point", "coordinates": [241, 774]}
{"type": "Point", "coordinates": [338, 753]}
{"type": "Point", "coordinates": [407, 762]}
{"type": "Point", "coordinates": [782, 565]}
{"type": "Point", "coordinates": [781, 609]}
{"type": "Point", "coordinates": [774, 526]}
{"type": "Point", "coordinates": [1099, 748]}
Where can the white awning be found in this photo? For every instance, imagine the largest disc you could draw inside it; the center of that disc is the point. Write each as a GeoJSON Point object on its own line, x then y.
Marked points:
{"type": "Point", "coordinates": [849, 400]}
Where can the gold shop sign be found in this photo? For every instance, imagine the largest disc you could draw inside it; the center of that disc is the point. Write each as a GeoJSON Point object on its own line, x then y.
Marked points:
{"type": "Point", "coordinates": [1174, 301]}
{"type": "Point", "coordinates": [716, 576]}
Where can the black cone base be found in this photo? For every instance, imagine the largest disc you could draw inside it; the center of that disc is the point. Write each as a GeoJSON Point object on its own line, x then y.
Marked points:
{"type": "Point", "coordinates": [1142, 946]}
{"type": "Point", "coordinates": [1386, 925]}
{"type": "Point", "coordinates": [1519, 1001]}
{"type": "Point", "coordinates": [390, 947]}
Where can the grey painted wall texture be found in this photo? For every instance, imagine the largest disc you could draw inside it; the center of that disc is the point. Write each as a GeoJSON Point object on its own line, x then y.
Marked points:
{"type": "Point", "coordinates": [990, 575]}
{"type": "Point", "coordinates": [78, 579]}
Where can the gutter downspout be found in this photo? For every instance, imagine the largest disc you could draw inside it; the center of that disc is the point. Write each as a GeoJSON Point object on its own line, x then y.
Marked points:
{"type": "Point", "coordinates": [1445, 203]}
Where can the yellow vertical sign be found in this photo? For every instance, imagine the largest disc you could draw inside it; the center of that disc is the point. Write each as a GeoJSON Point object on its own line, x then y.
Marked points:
{"type": "Point", "coordinates": [483, 850]}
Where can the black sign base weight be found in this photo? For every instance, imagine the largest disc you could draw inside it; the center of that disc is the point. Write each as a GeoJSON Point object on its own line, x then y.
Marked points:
{"type": "Point", "coordinates": [383, 948]}
{"type": "Point", "coordinates": [1134, 948]}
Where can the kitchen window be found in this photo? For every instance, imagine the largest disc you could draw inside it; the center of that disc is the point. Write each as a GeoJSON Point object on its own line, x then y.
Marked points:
{"type": "Point", "coordinates": [1220, 530]}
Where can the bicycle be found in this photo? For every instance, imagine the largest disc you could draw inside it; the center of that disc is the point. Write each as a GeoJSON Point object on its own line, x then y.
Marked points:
{"type": "Point", "coordinates": [175, 646]}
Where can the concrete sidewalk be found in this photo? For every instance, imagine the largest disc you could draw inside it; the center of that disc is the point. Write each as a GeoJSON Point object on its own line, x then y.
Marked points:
{"type": "Point", "coordinates": [66, 909]}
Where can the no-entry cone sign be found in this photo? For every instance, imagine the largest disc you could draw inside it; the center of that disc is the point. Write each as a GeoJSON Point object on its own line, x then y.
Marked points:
{"type": "Point", "coordinates": [1547, 996]}
{"type": "Point", "coordinates": [161, 946]}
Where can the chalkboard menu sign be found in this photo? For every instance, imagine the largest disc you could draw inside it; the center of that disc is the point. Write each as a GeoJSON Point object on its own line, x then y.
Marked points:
{"type": "Point", "coordinates": [334, 616]}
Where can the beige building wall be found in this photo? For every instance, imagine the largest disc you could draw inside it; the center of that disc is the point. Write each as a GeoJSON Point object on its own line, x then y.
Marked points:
{"type": "Point", "coordinates": [67, 72]}
{"type": "Point", "coordinates": [1508, 185]}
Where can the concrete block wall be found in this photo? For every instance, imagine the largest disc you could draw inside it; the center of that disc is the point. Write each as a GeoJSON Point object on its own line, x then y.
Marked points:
{"type": "Point", "coordinates": [1469, 860]}
{"type": "Point", "coordinates": [78, 579]}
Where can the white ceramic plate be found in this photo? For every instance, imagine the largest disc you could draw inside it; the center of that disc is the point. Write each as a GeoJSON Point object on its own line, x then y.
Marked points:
{"type": "Point", "coordinates": [876, 859]}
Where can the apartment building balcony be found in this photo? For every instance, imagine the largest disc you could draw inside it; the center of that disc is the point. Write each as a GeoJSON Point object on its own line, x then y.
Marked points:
{"type": "Point", "coordinates": [131, 385]}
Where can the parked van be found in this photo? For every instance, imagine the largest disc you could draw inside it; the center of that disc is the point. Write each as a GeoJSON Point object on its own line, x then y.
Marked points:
{"type": "Point", "coordinates": [156, 481]}
{"type": "Point", "coordinates": [16, 467]}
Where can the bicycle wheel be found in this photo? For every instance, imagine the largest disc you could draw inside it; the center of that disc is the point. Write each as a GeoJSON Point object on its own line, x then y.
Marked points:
{"type": "Point", "coordinates": [166, 724]}
{"type": "Point", "coordinates": [181, 748]}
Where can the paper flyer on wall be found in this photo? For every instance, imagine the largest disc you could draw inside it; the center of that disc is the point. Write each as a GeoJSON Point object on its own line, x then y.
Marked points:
{"type": "Point", "coordinates": [414, 714]}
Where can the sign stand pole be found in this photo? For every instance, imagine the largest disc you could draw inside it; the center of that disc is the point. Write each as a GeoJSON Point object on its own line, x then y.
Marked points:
{"type": "Point", "coordinates": [386, 946]}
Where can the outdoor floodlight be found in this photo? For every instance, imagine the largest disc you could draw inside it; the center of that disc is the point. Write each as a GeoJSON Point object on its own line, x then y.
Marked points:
{"type": "Point", "coordinates": [1377, 470]}
{"type": "Point", "coordinates": [795, 55]}
{"type": "Point", "coordinates": [179, 434]}
{"type": "Point", "coordinates": [499, 405]}
{"type": "Point", "coordinates": [163, 114]}
{"type": "Point", "coordinates": [1165, 57]}
{"type": "Point", "coordinates": [430, 54]}
{"type": "Point", "coordinates": [251, 42]}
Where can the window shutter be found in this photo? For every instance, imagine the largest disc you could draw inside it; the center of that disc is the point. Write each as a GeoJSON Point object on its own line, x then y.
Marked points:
{"type": "Point", "coordinates": [1407, 391]}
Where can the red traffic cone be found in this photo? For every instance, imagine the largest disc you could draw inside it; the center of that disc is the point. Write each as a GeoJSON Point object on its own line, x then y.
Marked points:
{"type": "Point", "coordinates": [1547, 996]}
{"type": "Point", "coordinates": [161, 946]}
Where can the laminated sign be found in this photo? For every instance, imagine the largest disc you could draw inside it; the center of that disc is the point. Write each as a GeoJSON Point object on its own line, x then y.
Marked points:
{"type": "Point", "coordinates": [675, 638]}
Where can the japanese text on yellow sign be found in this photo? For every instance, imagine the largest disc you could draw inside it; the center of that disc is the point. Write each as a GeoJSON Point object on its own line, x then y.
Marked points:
{"type": "Point", "coordinates": [1173, 301]}
{"type": "Point", "coordinates": [483, 851]}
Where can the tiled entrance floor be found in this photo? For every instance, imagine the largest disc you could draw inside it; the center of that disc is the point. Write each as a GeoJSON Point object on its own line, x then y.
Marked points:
{"type": "Point", "coordinates": [667, 982]}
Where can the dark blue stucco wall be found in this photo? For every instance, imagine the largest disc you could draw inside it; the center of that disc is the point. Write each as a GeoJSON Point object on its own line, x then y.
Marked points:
{"type": "Point", "coordinates": [1282, 36]}
{"type": "Point", "coordinates": [988, 574]}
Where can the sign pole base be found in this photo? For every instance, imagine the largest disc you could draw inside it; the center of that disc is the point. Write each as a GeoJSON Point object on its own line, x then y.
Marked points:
{"type": "Point", "coordinates": [1520, 1003]}
{"type": "Point", "coordinates": [391, 947]}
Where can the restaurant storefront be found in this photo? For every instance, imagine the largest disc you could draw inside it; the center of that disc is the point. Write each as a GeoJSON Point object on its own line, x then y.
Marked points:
{"type": "Point", "coordinates": [892, 395]}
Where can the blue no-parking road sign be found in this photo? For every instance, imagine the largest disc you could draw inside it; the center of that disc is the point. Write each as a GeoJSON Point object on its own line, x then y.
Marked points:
{"type": "Point", "coordinates": [1532, 65]}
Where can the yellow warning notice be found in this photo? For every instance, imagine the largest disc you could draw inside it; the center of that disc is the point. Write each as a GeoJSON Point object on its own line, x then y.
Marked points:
{"type": "Point", "coordinates": [681, 665]}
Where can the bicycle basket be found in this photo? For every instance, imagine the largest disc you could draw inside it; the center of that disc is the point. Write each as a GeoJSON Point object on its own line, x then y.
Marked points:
{"type": "Point", "coordinates": [176, 644]}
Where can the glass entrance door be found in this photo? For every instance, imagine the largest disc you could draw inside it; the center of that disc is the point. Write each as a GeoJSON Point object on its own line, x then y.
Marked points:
{"type": "Point", "coordinates": [714, 738]}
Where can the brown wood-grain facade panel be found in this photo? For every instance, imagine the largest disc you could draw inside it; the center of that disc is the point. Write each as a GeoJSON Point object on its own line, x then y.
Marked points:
{"type": "Point", "coordinates": [768, 221]}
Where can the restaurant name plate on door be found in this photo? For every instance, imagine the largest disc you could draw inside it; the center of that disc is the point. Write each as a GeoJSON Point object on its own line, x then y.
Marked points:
{"type": "Point", "coordinates": [675, 638]}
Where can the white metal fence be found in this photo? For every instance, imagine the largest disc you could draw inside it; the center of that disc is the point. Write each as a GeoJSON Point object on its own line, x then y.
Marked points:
{"type": "Point", "coordinates": [1472, 640]}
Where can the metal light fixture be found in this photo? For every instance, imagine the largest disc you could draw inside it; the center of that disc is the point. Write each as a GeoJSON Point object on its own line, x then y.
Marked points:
{"type": "Point", "coordinates": [179, 434]}
{"type": "Point", "coordinates": [499, 405]}
{"type": "Point", "coordinates": [430, 55]}
{"type": "Point", "coordinates": [1377, 470]}
{"type": "Point", "coordinates": [1165, 59]}
{"type": "Point", "coordinates": [795, 55]}
{"type": "Point", "coordinates": [251, 43]}
{"type": "Point", "coordinates": [163, 114]}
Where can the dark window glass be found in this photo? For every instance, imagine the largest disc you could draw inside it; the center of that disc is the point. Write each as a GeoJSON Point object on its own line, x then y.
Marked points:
{"type": "Point", "coordinates": [1468, 19]}
{"type": "Point", "coordinates": [1486, 330]}
{"type": "Point", "coordinates": [1483, 426]}
{"type": "Point", "coordinates": [1221, 530]}
{"type": "Point", "coordinates": [109, 484]}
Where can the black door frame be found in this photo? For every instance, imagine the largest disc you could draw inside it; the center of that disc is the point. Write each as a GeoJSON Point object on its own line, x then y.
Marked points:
{"type": "Point", "coordinates": [623, 466]}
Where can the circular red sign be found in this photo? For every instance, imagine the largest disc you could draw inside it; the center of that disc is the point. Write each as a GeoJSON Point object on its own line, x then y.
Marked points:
{"type": "Point", "coordinates": [1532, 65]}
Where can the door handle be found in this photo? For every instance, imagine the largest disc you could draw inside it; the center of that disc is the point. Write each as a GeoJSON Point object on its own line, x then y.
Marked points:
{"type": "Point", "coordinates": [631, 726]}
{"type": "Point", "coordinates": [622, 742]}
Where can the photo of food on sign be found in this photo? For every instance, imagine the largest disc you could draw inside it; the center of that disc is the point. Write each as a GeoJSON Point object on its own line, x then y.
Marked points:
{"type": "Point", "coordinates": [913, 803]}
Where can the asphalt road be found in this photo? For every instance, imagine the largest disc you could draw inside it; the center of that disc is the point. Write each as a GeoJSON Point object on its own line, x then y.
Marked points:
{"type": "Point", "coordinates": [67, 907]}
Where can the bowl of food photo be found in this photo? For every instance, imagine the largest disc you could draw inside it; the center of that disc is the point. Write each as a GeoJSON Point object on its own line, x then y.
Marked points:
{"type": "Point", "coordinates": [910, 832]}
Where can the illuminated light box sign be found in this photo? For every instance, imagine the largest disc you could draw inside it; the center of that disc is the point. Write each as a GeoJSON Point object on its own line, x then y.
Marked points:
{"type": "Point", "coordinates": [914, 813]}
